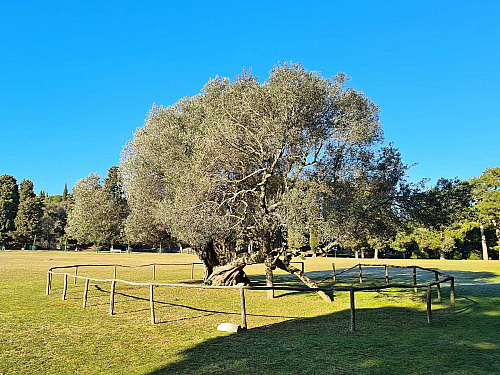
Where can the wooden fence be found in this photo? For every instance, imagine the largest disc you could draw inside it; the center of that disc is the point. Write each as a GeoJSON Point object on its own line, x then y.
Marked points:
{"type": "Point", "coordinates": [241, 288]}
{"type": "Point", "coordinates": [415, 286]}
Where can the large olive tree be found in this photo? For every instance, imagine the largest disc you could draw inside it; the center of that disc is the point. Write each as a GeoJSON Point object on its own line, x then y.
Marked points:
{"type": "Point", "coordinates": [229, 165]}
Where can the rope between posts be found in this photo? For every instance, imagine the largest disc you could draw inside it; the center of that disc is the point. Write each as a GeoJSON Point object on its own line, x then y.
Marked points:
{"type": "Point", "coordinates": [242, 287]}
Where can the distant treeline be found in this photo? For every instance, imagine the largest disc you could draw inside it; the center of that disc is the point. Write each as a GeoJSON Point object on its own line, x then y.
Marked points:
{"type": "Point", "coordinates": [454, 219]}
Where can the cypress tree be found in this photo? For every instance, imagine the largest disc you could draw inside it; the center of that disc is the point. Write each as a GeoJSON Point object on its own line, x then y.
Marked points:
{"type": "Point", "coordinates": [29, 214]}
{"type": "Point", "coordinates": [65, 192]}
{"type": "Point", "coordinates": [9, 202]}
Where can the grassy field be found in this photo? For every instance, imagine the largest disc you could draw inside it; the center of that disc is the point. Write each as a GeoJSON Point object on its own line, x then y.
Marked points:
{"type": "Point", "coordinates": [296, 333]}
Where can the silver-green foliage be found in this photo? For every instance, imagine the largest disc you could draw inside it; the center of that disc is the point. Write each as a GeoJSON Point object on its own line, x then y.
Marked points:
{"type": "Point", "coordinates": [240, 156]}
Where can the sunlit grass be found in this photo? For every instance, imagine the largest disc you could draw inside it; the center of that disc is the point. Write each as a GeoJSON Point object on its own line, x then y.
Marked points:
{"type": "Point", "coordinates": [294, 333]}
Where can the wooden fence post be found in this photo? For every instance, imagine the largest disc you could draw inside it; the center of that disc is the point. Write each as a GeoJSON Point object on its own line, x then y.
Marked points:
{"type": "Point", "coordinates": [112, 298]}
{"type": "Point", "coordinates": [452, 293]}
{"type": "Point", "coordinates": [65, 287]}
{"type": "Point", "coordinates": [49, 281]}
{"type": "Point", "coordinates": [243, 309]}
{"type": "Point", "coordinates": [360, 274]}
{"type": "Point", "coordinates": [154, 271]}
{"type": "Point", "coordinates": [386, 275]}
{"type": "Point", "coordinates": [415, 279]}
{"type": "Point", "coordinates": [85, 293]}
{"type": "Point", "coordinates": [353, 312]}
{"type": "Point", "coordinates": [152, 304]}
{"type": "Point", "coordinates": [269, 276]}
{"type": "Point", "coordinates": [114, 273]}
{"type": "Point", "coordinates": [76, 274]}
{"type": "Point", "coordinates": [334, 273]}
{"type": "Point", "coordinates": [192, 271]}
{"type": "Point", "coordinates": [438, 286]}
{"type": "Point", "coordinates": [429, 302]}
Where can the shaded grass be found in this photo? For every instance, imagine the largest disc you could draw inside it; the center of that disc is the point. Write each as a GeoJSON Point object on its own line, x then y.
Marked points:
{"type": "Point", "coordinates": [297, 333]}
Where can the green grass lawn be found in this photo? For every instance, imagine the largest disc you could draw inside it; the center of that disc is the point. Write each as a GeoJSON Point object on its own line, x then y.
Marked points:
{"type": "Point", "coordinates": [296, 333]}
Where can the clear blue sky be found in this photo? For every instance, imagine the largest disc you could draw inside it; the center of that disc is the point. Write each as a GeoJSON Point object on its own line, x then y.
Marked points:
{"type": "Point", "coordinates": [78, 77]}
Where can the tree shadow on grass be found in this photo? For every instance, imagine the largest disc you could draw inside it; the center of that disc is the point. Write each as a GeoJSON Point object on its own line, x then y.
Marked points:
{"type": "Point", "coordinates": [466, 282]}
{"type": "Point", "coordinates": [389, 340]}
{"type": "Point", "coordinates": [476, 283]}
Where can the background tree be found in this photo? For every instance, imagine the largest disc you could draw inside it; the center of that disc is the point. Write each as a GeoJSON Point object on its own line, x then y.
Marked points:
{"type": "Point", "coordinates": [221, 165]}
{"type": "Point", "coordinates": [54, 220]}
{"type": "Point", "coordinates": [404, 242]}
{"type": "Point", "coordinates": [421, 242]}
{"type": "Point", "coordinates": [65, 192]}
{"type": "Point", "coordinates": [113, 186]}
{"type": "Point", "coordinates": [98, 210]}
{"type": "Point", "coordinates": [442, 205]}
{"type": "Point", "coordinates": [29, 214]}
{"type": "Point", "coordinates": [88, 214]}
{"type": "Point", "coordinates": [486, 191]}
{"type": "Point", "coordinates": [9, 202]}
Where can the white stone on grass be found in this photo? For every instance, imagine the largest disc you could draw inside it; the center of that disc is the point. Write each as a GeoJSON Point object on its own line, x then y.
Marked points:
{"type": "Point", "coordinates": [229, 327]}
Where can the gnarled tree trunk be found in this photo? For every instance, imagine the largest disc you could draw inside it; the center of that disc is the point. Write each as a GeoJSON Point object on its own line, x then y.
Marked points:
{"type": "Point", "coordinates": [232, 272]}
{"type": "Point", "coordinates": [209, 257]}
{"type": "Point", "coordinates": [224, 267]}
{"type": "Point", "coordinates": [215, 255]}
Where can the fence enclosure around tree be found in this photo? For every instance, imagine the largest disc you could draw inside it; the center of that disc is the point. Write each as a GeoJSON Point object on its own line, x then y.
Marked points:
{"type": "Point", "coordinates": [241, 288]}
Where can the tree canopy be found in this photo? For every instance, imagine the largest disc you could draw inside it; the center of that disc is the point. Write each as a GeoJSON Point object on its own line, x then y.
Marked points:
{"type": "Point", "coordinates": [245, 161]}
